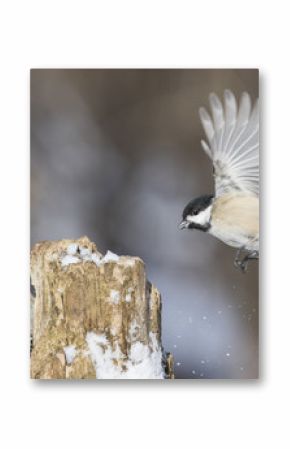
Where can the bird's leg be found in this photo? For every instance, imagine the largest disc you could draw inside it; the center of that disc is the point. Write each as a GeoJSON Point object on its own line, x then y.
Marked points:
{"type": "Point", "coordinates": [237, 261]}
{"type": "Point", "coordinates": [254, 255]}
{"type": "Point", "coordinates": [243, 263]}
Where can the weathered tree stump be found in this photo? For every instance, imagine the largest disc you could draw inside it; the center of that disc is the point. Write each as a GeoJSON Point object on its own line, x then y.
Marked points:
{"type": "Point", "coordinates": [93, 316]}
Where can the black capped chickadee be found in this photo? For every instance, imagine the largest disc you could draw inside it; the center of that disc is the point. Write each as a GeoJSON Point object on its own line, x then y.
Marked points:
{"type": "Point", "coordinates": [232, 213]}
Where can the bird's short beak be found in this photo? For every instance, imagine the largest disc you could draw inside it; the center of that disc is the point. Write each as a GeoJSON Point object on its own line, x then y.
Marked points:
{"type": "Point", "coordinates": [183, 225]}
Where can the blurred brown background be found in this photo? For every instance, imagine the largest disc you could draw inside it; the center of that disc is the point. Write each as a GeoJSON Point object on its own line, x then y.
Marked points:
{"type": "Point", "coordinates": [116, 155]}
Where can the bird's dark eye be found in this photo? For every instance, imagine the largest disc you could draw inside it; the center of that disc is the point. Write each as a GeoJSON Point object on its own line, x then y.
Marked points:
{"type": "Point", "coordinates": [195, 212]}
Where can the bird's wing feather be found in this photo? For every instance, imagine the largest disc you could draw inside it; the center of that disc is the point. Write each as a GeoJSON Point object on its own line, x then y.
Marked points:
{"type": "Point", "coordinates": [232, 133]}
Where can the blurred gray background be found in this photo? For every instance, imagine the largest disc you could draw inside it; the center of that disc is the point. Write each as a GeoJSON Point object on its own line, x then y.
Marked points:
{"type": "Point", "coordinates": [116, 155]}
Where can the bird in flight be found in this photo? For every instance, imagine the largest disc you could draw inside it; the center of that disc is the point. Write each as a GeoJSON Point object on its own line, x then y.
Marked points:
{"type": "Point", "coordinates": [232, 213]}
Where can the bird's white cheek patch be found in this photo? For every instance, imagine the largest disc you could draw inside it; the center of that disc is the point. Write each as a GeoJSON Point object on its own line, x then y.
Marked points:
{"type": "Point", "coordinates": [202, 218]}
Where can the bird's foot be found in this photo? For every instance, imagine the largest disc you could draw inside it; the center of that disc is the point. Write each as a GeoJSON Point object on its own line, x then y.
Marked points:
{"type": "Point", "coordinates": [238, 262]}
{"type": "Point", "coordinates": [242, 263]}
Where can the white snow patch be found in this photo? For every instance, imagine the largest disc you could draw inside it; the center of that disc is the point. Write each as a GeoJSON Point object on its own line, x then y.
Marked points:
{"type": "Point", "coordinates": [70, 353]}
{"type": "Point", "coordinates": [72, 249]}
{"type": "Point", "coordinates": [139, 352]}
{"type": "Point", "coordinates": [110, 257]}
{"type": "Point", "coordinates": [85, 251]}
{"type": "Point", "coordinates": [86, 254]}
{"type": "Point", "coordinates": [142, 362]}
{"type": "Point", "coordinates": [128, 296]}
{"type": "Point", "coordinates": [96, 258]}
{"type": "Point", "coordinates": [100, 339]}
{"type": "Point", "coordinates": [154, 342]}
{"type": "Point", "coordinates": [68, 259]}
{"type": "Point", "coordinates": [115, 296]}
{"type": "Point", "coordinates": [76, 254]}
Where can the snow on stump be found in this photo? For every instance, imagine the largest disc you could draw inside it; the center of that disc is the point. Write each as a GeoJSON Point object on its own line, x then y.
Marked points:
{"type": "Point", "coordinates": [93, 316]}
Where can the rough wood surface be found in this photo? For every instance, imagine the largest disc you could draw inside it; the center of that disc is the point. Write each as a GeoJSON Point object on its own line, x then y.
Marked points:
{"type": "Point", "coordinates": [93, 316]}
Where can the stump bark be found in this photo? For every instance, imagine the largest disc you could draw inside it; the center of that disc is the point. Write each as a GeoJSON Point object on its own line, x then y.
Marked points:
{"type": "Point", "coordinates": [93, 316]}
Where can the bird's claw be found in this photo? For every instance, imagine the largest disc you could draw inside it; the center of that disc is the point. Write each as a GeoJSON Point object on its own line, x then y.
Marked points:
{"type": "Point", "coordinates": [242, 264]}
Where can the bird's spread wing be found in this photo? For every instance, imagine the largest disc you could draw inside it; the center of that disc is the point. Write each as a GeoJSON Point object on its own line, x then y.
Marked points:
{"type": "Point", "coordinates": [233, 143]}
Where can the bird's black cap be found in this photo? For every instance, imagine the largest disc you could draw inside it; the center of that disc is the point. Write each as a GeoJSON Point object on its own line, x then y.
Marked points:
{"type": "Point", "coordinates": [197, 205]}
